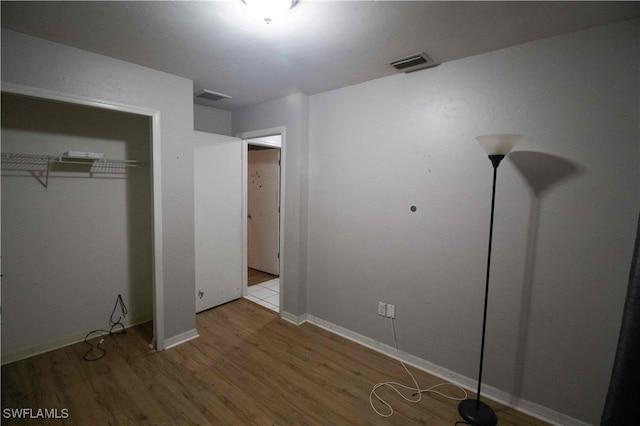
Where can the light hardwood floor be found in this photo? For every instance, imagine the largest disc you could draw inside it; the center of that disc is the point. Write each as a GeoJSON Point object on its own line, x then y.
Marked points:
{"type": "Point", "coordinates": [247, 367]}
{"type": "Point", "coordinates": [256, 277]}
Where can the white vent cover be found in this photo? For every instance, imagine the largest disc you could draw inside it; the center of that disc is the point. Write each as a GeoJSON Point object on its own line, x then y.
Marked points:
{"type": "Point", "coordinates": [210, 95]}
{"type": "Point", "coordinates": [413, 63]}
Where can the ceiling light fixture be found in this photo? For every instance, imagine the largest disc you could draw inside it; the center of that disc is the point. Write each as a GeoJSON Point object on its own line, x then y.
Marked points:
{"type": "Point", "coordinates": [269, 10]}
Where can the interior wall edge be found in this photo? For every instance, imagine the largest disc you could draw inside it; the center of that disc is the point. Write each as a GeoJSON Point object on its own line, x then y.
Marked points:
{"type": "Point", "coordinates": [293, 319]}
{"type": "Point", "coordinates": [181, 338]}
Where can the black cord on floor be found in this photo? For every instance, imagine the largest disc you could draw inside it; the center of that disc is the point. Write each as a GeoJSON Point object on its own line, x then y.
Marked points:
{"type": "Point", "coordinates": [124, 311]}
{"type": "Point", "coordinates": [113, 324]}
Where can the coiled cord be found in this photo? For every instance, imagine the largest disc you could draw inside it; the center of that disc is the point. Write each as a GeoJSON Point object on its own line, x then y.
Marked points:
{"type": "Point", "coordinates": [417, 392]}
{"type": "Point", "coordinates": [113, 324]}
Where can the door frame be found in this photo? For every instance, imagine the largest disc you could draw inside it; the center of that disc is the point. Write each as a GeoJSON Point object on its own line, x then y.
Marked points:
{"type": "Point", "coordinates": [245, 136]}
{"type": "Point", "coordinates": [156, 191]}
{"type": "Point", "coordinates": [262, 253]}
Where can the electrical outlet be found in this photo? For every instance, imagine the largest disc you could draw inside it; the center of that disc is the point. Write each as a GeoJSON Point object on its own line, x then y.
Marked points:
{"type": "Point", "coordinates": [382, 308]}
{"type": "Point", "coordinates": [391, 310]}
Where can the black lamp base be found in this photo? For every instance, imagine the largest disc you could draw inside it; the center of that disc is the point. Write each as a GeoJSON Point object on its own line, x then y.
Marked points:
{"type": "Point", "coordinates": [477, 413]}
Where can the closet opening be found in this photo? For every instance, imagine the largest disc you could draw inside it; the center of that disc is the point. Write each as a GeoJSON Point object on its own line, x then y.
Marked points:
{"type": "Point", "coordinates": [78, 220]}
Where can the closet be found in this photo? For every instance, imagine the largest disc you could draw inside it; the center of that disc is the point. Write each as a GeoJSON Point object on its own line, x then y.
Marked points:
{"type": "Point", "coordinates": [76, 232]}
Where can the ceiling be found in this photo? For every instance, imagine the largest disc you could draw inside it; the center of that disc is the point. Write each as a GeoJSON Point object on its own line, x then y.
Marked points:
{"type": "Point", "coordinates": [320, 46]}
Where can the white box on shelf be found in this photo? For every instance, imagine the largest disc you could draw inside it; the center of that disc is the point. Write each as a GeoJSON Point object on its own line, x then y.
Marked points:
{"type": "Point", "coordinates": [81, 155]}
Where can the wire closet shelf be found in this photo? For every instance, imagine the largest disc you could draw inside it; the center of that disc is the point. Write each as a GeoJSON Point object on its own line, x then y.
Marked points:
{"type": "Point", "coordinates": [43, 165]}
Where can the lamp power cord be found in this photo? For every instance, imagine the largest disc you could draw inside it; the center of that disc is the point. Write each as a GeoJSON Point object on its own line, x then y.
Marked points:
{"type": "Point", "coordinates": [114, 324]}
{"type": "Point", "coordinates": [415, 389]}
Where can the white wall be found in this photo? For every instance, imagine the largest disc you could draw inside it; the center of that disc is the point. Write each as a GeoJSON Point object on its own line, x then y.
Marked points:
{"type": "Point", "coordinates": [42, 64]}
{"type": "Point", "coordinates": [560, 261]}
{"type": "Point", "coordinates": [293, 113]}
{"type": "Point", "coordinates": [70, 249]}
{"type": "Point", "coordinates": [211, 120]}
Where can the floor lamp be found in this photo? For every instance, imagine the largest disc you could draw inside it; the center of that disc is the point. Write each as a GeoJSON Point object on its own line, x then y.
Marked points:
{"type": "Point", "coordinates": [474, 411]}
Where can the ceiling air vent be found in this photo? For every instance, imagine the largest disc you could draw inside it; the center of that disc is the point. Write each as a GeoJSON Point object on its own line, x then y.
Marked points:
{"type": "Point", "coordinates": [209, 95]}
{"type": "Point", "coordinates": [413, 63]}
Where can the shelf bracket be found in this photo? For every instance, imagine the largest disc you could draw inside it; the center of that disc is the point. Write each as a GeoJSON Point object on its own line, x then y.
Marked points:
{"type": "Point", "coordinates": [46, 179]}
{"type": "Point", "coordinates": [38, 175]}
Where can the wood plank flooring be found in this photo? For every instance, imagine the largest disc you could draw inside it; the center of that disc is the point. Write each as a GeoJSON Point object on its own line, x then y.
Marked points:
{"type": "Point", "coordinates": [256, 277]}
{"type": "Point", "coordinates": [248, 367]}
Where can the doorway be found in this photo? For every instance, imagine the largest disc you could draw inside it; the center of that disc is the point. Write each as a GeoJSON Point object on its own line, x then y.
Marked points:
{"type": "Point", "coordinates": [263, 219]}
{"type": "Point", "coordinates": [101, 210]}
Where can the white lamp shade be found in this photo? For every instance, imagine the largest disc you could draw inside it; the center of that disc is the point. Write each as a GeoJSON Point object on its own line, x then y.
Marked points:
{"type": "Point", "coordinates": [269, 10]}
{"type": "Point", "coordinates": [499, 144]}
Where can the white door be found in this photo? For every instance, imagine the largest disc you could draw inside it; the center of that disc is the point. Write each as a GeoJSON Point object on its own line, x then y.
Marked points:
{"type": "Point", "coordinates": [263, 210]}
{"type": "Point", "coordinates": [217, 219]}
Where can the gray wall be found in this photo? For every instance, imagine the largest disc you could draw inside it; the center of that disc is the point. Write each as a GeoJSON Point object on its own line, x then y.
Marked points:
{"type": "Point", "coordinates": [293, 113]}
{"type": "Point", "coordinates": [212, 120]}
{"type": "Point", "coordinates": [42, 64]}
{"type": "Point", "coordinates": [564, 234]}
{"type": "Point", "coordinates": [70, 249]}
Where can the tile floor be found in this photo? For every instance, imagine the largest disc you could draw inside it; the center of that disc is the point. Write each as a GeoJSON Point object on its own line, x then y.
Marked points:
{"type": "Point", "coordinates": [266, 294]}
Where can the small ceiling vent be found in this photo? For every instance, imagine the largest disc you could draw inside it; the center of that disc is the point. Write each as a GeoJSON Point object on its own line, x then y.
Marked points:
{"type": "Point", "coordinates": [413, 63]}
{"type": "Point", "coordinates": [210, 95]}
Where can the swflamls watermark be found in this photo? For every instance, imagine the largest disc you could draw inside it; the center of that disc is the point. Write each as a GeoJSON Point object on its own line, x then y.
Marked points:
{"type": "Point", "coordinates": [35, 413]}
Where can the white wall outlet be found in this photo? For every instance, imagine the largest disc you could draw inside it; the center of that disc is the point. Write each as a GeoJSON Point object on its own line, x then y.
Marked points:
{"type": "Point", "coordinates": [382, 308]}
{"type": "Point", "coordinates": [391, 310]}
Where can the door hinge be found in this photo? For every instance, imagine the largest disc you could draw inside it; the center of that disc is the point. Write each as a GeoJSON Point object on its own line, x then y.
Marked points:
{"type": "Point", "coordinates": [278, 255]}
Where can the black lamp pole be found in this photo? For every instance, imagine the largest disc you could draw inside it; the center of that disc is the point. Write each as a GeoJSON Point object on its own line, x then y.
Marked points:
{"type": "Point", "coordinates": [476, 412]}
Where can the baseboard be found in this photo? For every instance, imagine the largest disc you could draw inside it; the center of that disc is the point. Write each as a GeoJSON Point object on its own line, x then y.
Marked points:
{"type": "Point", "coordinates": [181, 338]}
{"type": "Point", "coordinates": [61, 342]}
{"type": "Point", "coordinates": [531, 408]}
{"type": "Point", "coordinates": [294, 319]}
